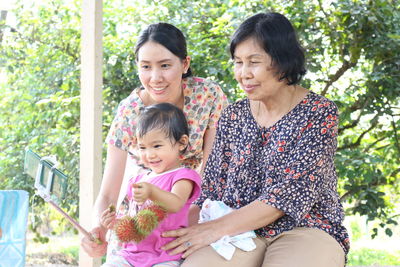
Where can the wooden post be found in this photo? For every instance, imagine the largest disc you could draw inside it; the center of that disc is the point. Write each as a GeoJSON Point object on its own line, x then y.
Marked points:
{"type": "Point", "coordinates": [3, 16]}
{"type": "Point", "coordinates": [91, 116]}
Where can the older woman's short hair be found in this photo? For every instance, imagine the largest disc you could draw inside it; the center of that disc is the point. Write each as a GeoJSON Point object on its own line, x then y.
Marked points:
{"type": "Point", "coordinates": [276, 35]}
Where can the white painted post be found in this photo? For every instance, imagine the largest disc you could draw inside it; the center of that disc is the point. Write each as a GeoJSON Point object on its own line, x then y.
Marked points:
{"type": "Point", "coordinates": [91, 116]}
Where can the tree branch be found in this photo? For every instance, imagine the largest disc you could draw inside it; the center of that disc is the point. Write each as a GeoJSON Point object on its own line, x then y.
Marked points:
{"type": "Point", "coordinates": [333, 78]}
{"type": "Point", "coordinates": [396, 137]}
{"type": "Point", "coordinates": [395, 172]}
{"type": "Point", "coordinates": [373, 144]}
{"type": "Point", "coordinates": [359, 104]}
{"type": "Point", "coordinates": [351, 125]}
{"type": "Point", "coordinates": [375, 184]}
{"type": "Point", "coordinates": [360, 137]}
{"type": "Point", "coordinates": [66, 50]}
{"type": "Point", "coordinates": [347, 194]}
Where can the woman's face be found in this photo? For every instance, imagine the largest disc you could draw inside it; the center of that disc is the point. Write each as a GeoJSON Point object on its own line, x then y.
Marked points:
{"type": "Point", "coordinates": [254, 71]}
{"type": "Point", "coordinates": [160, 72]}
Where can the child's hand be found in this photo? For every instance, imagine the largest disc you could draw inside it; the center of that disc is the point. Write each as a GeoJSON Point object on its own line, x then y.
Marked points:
{"type": "Point", "coordinates": [107, 218]}
{"type": "Point", "coordinates": [142, 192]}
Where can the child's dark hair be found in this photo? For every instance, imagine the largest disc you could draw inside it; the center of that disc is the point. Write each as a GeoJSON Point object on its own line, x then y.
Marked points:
{"type": "Point", "coordinates": [164, 116]}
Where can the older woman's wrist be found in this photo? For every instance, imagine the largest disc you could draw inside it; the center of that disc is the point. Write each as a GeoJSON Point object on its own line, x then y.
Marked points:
{"type": "Point", "coordinates": [221, 227]}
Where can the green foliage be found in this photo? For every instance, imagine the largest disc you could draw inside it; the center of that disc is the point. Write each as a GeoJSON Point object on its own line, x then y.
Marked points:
{"type": "Point", "coordinates": [355, 230]}
{"type": "Point", "coordinates": [39, 102]}
{"type": "Point", "coordinates": [352, 51]}
{"type": "Point", "coordinates": [363, 80]}
{"type": "Point", "coordinates": [72, 252]}
{"type": "Point", "coordinates": [373, 257]}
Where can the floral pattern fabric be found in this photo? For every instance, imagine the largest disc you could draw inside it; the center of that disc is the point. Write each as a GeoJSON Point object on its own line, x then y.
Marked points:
{"type": "Point", "coordinates": [204, 101]}
{"type": "Point", "coordinates": [289, 166]}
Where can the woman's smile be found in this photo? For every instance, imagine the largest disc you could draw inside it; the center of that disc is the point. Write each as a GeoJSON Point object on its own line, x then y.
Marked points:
{"type": "Point", "coordinates": [249, 87]}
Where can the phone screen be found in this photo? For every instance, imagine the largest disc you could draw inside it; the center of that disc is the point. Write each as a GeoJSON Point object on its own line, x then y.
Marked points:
{"type": "Point", "coordinates": [47, 179]}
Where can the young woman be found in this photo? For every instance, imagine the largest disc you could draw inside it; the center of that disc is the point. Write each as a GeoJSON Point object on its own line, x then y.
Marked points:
{"type": "Point", "coordinates": [165, 75]}
{"type": "Point", "coordinates": [272, 161]}
{"type": "Point", "coordinates": [162, 137]}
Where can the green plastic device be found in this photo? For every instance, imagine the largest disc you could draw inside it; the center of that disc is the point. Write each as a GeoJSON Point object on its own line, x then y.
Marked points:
{"type": "Point", "coordinates": [51, 184]}
{"type": "Point", "coordinates": [49, 180]}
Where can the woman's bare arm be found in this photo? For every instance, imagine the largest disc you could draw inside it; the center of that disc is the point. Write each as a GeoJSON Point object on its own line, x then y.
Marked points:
{"type": "Point", "coordinates": [208, 141]}
{"type": "Point", "coordinates": [109, 190]}
{"type": "Point", "coordinates": [250, 217]}
{"type": "Point", "coordinates": [112, 179]}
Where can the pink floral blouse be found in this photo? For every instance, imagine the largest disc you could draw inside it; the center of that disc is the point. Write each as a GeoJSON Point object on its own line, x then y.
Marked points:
{"type": "Point", "coordinates": [204, 102]}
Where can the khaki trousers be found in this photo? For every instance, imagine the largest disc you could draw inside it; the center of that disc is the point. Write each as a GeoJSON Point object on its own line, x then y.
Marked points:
{"type": "Point", "coordinates": [300, 247]}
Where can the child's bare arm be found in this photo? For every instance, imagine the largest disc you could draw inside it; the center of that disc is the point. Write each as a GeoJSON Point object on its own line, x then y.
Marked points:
{"type": "Point", "coordinates": [172, 201]}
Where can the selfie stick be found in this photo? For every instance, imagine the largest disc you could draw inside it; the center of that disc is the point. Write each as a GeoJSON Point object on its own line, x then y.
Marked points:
{"type": "Point", "coordinates": [44, 192]}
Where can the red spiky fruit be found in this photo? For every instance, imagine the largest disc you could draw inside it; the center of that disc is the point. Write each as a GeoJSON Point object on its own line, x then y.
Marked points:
{"type": "Point", "coordinates": [111, 208]}
{"type": "Point", "coordinates": [146, 221]}
{"type": "Point", "coordinates": [126, 230]}
{"type": "Point", "coordinates": [158, 210]}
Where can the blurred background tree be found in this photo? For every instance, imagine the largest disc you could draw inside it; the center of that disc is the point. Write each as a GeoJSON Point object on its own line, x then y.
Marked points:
{"type": "Point", "coordinates": [353, 58]}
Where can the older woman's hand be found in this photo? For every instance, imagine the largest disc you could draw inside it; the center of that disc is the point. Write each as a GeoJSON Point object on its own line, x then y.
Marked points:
{"type": "Point", "coordinates": [92, 248]}
{"type": "Point", "coordinates": [190, 239]}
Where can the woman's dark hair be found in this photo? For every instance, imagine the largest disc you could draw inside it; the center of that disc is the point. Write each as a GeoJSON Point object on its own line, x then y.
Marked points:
{"type": "Point", "coordinates": [163, 116]}
{"type": "Point", "coordinates": [168, 36]}
{"type": "Point", "coordinates": [276, 35]}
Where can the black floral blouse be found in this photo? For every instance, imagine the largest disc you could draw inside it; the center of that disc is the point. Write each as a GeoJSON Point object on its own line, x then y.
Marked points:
{"type": "Point", "coordinates": [289, 166]}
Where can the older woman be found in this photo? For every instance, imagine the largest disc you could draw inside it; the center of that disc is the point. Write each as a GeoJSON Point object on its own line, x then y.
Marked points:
{"type": "Point", "coordinates": [272, 161]}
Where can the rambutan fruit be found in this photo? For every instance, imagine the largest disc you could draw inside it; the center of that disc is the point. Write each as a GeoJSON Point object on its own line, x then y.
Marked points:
{"type": "Point", "coordinates": [158, 210]}
{"type": "Point", "coordinates": [146, 221]}
{"type": "Point", "coordinates": [126, 230]}
{"type": "Point", "coordinates": [111, 208]}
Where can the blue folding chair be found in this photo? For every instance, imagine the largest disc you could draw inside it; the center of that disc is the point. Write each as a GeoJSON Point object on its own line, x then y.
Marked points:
{"type": "Point", "coordinates": [13, 225]}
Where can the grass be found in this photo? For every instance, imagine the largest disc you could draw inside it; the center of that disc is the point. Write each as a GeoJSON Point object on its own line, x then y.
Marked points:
{"type": "Point", "coordinates": [372, 257]}
{"type": "Point", "coordinates": [365, 251]}
{"type": "Point", "coordinates": [72, 251]}
{"type": "Point", "coordinates": [59, 250]}
{"type": "Point", "coordinates": [57, 244]}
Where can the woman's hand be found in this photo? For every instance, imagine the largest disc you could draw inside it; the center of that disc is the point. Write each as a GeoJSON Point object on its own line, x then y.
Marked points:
{"type": "Point", "coordinates": [107, 218]}
{"type": "Point", "coordinates": [92, 248]}
{"type": "Point", "coordinates": [190, 239]}
{"type": "Point", "coordinates": [142, 192]}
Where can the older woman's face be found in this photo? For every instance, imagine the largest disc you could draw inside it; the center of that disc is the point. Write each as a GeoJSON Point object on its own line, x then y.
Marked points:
{"type": "Point", "coordinates": [160, 72]}
{"type": "Point", "coordinates": [254, 71]}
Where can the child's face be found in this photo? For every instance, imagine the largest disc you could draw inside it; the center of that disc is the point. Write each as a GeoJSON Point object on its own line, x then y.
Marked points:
{"type": "Point", "coordinates": [158, 152]}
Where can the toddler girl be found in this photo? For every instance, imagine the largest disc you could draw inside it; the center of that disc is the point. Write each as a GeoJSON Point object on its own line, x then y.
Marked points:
{"type": "Point", "coordinates": [162, 136]}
